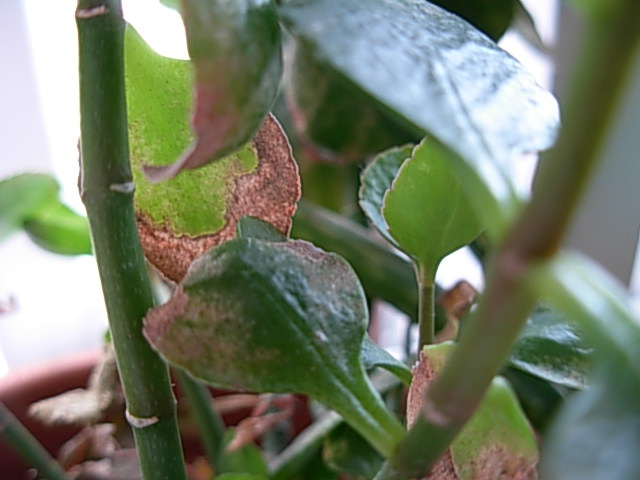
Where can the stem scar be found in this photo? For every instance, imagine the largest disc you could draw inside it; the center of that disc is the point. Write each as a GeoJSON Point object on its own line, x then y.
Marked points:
{"type": "Point", "coordinates": [138, 422]}
{"type": "Point", "coordinates": [93, 12]}
{"type": "Point", "coordinates": [127, 187]}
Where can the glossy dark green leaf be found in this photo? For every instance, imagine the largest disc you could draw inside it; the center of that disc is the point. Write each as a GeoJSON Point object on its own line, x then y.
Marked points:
{"type": "Point", "coordinates": [426, 210]}
{"type": "Point", "coordinates": [333, 119]}
{"type": "Point", "coordinates": [376, 180]}
{"type": "Point", "coordinates": [59, 229]}
{"type": "Point", "coordinates": [275, 317]}
{"type": "Point", "coordinates": [235, 49]}
{"type": "Point", "coordinates": [551, 347]}
{"type": "Point", "coordinates": [346, 452]}
{"type": "Point", "coordinates": [374, 356]}
{"type": "Point", "coordinates": [441, 76]}
{"type": "Point", "coordinates": [492, 17]}
{"type": "Point", "coordinates": [22, 197]}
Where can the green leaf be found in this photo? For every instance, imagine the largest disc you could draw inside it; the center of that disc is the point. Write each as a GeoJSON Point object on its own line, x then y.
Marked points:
{"type": "Point", "coordinates": [22, 196]}
{"type": "Point", "coordinates": [551, 347]}
{"type": "Point", "coordinates": [275, 317]}
{"type": "Point", "coordinates": [245, 461]}
{"type": "Point", "coordinates": [59, 229]}
{"type": "Point", "coordinates": [374, 356]}
{"type": "Point", "coordinates": [235, 49]}
{"type": "Point", "coordinates": [346, 452]}
{"type": "Point", "coordinates": [376, 179]}
{"type": "Point", "coordinates": [492, 17]}
{"type": "Point", "coordinates": [251, 227]}
{"type": "Point", "coordinates": [199, 208]}
{"type": "Point", "coordinates": [241, 476]}
{"type": "Point", "coordinates": [440, 76]}
{"type": "Point", "coordinates": [338, 122]}
{"type": "Point", "coordinates": [597, 432]}
{"type": "Point", "coordinates": [428, 214]}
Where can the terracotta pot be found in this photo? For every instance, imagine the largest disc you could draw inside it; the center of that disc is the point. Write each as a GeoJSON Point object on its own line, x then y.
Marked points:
{"type": "Point", "coordinates": [27, 385]}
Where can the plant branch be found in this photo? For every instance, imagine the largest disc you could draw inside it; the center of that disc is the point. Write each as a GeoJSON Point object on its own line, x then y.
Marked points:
{"type": "Point", "coordinates": [426, 307]}
{"type": "Point", "coordinates": [484, 346]}
{"type": "Point", "coordinates": [107, 192]}
{"type": "Point", "coordinates": [28, 447]}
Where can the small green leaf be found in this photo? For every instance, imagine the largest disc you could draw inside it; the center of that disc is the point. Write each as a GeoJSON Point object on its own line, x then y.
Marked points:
{"type": "Point", "coordinates": [376, 180]}
{"type": "Point", "coordinates": [442, 77]}
{"type": "Point", "coordinates": [59, 229]}
{"type": "Point", "coordinates": [374, 356]}
{"type": "Point", "coordinates": [551, 347]}
{"type": "Point", "coordinates": [22, 197]}
{"type": "Point", "coordinates": [428, 214]}
{"type": "Point", "coordinates": [275, 317]}
{"type": "Point", "coordinates": [346, 452]}
{"type": "Point", "coordinates": [235, 49]}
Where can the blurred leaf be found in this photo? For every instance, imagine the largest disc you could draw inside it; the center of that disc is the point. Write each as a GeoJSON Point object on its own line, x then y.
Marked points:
{"type": "Point", "coordinates": [240, 476]}
{"type": "Point", "coordinates": [442, 77]}
{"type": "Point", "coordinates": [59, 229]}
{"type": "Point", "coordinates": [373, 355]}
{"type": "Point", "coordinates": [492, 17]}
{"type": "Point", "coordinates": [551, 347]}
{"type": "Point", "coordinates": [23, 196]}
{"type": "Point", "coordinates": [497, 442]}
{"type": "Point", "coordinates": [235, 49]}
{"type": "Point", "coordinates": [346, 452]}
{"type": "Point", "coordinates": [247, 460]}
{"type": "Point", "coordinates": [333, 119]}
{"type": "Point", "coordinates": [426, 210]}
{"type": "Point", "coordinates": [597, 434]}
{"type": "Point", "coordinates": [251, 227]}
{"type": "Point", "coordinates": [181, 218]}
{"type": "Point", "coordinates": [275, 317]}
{"type": "Point", "coordinates": [376, 180]}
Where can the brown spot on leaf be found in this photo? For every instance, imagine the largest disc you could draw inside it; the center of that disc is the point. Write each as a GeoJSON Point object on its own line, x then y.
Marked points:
{"type": "Point", "coordinates": [270, 193]}
{"type": "Point", "coordinates": [159, 319]}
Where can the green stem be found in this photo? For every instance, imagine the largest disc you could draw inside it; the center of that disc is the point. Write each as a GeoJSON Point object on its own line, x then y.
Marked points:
{"type": "Point", "coordinates": [426, 307]}
{"type": "Point", "coordinates": [486, 342]}
{"type": "Point", "coordinates": [28, 447]}
{"type": "Point", "coordinates": [107, 192]}
{"type": "Point", "coordinates": [208, 420]}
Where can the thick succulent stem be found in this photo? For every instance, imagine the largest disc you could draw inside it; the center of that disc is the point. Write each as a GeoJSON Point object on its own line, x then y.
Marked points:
{"type": "Point", "coordinates": [107, 192]}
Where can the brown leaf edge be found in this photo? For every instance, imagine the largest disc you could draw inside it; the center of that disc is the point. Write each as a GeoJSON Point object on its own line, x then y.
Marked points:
{"type": "Point", "coordinates": [270, 193]}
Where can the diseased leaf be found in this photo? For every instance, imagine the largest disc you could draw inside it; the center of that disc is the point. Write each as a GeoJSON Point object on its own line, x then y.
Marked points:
{"type": "Point", "coordinates": [497, 442]}
{"type": "Point", "coordinates": [235, 49]}
{"type": "Point", "coordinates": [376, 179]}
{"type": "Point", "coordinates": [442, 77]}
{"type": "Point", "coordinates": [426, 210]}
{"type": "Point", "coordinates": [551, 347]}
{"type": "Point", "coordinates": [275, 317]}
{"type": "Point", "coordinates": [181, 218]}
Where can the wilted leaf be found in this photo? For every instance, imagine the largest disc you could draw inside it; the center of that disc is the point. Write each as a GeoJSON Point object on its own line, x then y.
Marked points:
{"type": "Point", "coordinates": [441, 76]}
{"type": "Point", "coordinates": [426, 210]}
{"type": "Point", "coordinates": [497, 442]}
{"type": "Point", "coordinates": [275, 317]}
{"type": "Point", "coordinates": [551, 347]}
{"type": "Point", "coordinates": [376, 179]}
{"type": "Point", "coordinates": [235, 49]}
{"type": "Point", "coordinates": [181, 218]}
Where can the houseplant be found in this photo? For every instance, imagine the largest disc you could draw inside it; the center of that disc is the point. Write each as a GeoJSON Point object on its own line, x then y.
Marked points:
{"type": "Point", "coordinates": [244, 307]}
